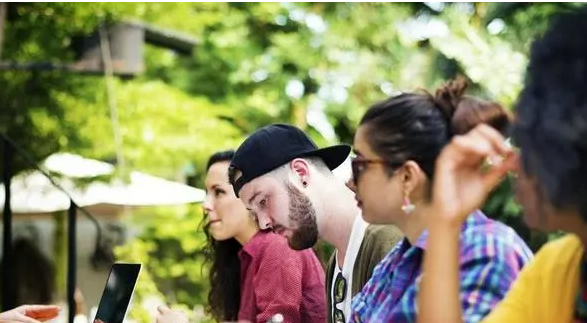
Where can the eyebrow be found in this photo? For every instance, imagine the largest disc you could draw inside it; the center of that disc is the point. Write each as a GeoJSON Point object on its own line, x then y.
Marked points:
{"type": "Point", "coordinates": [214, 186]}
{"type": "Point", "coordinates": [253, 197]}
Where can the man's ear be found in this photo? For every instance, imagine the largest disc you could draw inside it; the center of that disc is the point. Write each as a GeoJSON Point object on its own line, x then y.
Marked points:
{"type": "Point", "coordinates": [301, 169]}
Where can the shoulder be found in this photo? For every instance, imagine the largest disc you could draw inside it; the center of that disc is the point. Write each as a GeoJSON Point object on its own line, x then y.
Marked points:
{"type": "Point", "coordinates": [276, 249]}
{"type": "Point", "coordinates": [495, 238]}
{"type": "Point", "coordinates": [560, 253]}
{"type": "Point", "coordinates": [386, 235]}
{"type": "Point", "coordinates": [273, 243]}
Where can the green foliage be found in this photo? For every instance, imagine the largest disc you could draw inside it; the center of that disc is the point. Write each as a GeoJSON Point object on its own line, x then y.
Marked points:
{"type": "Point", "coordinates": [255, 63]}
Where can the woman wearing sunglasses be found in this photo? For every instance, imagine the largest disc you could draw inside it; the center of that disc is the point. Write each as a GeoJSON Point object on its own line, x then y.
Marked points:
{"type": "Point", "coordinates": [551, 132]}
{"type": "Point", "coordinates": [396, 145]}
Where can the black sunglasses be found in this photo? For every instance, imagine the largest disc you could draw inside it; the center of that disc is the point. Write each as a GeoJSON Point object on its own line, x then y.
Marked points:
{"type": "Point", "coordinates": [339, 296]}
{"type": "Point", "coordinates": [359, 165]}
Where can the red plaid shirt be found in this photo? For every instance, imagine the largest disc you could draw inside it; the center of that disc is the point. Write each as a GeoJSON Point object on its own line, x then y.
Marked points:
{"type": "Point", "coordinates": [276, 279]}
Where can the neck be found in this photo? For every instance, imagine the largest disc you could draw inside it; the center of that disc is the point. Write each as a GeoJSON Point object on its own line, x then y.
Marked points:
{"type": "Point", "coordinates": [577, 226]}
{"type": "Point", "coordinates": [412, 225]}
{"type": "Point", "coordinates": [246, 234]}
{"type": "Point", "coordinates": [339, 212]}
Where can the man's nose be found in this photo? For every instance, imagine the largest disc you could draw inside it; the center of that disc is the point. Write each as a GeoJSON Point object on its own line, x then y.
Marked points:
{"type": "Point", "coordinates": [264, 221]}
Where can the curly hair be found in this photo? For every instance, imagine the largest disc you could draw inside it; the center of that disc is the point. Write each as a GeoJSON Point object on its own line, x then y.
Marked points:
{"type": "Point", "coordinates": [551, 129]}
{"type": "Point", "coordinates": [224, 294]}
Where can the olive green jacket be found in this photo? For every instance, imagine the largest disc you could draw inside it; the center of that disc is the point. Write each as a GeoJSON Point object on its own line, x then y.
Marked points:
{"type": "Point", "coordinates": [377, 242]}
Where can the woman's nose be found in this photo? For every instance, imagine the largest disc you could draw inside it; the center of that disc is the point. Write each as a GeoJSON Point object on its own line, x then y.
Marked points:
{"type": "Point", "coordinates": [351, 185]}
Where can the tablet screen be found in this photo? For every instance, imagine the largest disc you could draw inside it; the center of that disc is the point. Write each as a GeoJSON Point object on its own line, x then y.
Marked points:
{"type": "Point", "coordinates": [117, 293]}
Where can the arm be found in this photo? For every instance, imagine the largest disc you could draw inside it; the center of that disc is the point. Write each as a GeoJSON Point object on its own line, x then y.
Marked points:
{"type": "Point", "coordinates": [278, 285]}
{"type": "Point", "coordinates": [488, 269]}
{"type": "Point", "coordinates": [441, 275]}
{"type": "Point", "coordinates": [483, 299]}
{"type": "Point", "coordinates": [461, 185]}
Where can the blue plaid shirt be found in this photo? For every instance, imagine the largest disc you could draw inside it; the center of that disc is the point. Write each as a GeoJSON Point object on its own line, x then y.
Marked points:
{"type": "Point", "coordinates": [491, 256]}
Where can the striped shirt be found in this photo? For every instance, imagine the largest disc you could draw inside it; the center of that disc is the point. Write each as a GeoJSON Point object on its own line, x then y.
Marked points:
{"type": "Point", "coordinates": [491, 257]}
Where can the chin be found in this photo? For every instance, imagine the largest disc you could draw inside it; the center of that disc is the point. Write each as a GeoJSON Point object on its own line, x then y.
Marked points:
{"type": "Point", "coordinates": [370, 218]}
{"type": "Point", "coordinates": [218, 235]}
{"type": "Point", "coordinates": [301, 241]}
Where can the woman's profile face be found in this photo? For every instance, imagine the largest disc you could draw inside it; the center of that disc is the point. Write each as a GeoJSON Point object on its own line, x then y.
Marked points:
{"type": "Point", "coordinates": [227, 215]}
{"type": "Point", "coordinates": [379, 195]}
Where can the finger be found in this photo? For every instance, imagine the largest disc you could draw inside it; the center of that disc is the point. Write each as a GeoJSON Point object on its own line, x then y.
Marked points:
{"type": "Point", "coordinates": [495, 175]}
{"type": "Point", "coordinates": [163, 309]}
{"type": "Point", "coordinates": [466, 150]}
{"type": "Point", "coordinates": [481, 146]}
{"type": "Point", "coordinates": [25, 319]}
{"type": "Point", "coordinates": [495, 138]}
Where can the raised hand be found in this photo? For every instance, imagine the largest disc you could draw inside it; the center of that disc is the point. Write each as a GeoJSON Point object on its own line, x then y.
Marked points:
{"type": "Point", "coordinates": [467, 170]}
{"type": "Point", "coordinates": [166, 315]}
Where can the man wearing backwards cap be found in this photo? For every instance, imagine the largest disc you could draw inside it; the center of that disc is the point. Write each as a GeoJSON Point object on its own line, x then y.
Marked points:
{"type": "Point", "coordinates": [287, 183]}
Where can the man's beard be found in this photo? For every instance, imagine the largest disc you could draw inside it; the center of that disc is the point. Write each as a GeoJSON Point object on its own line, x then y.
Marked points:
{"type": "Point", "coordinates": [302, 216]}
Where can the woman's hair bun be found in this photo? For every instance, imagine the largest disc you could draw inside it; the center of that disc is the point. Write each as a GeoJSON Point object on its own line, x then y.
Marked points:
{"type": "Point", "coordinates": [449, 95]}
{"type": "Point", "coordinates": [464, 112]}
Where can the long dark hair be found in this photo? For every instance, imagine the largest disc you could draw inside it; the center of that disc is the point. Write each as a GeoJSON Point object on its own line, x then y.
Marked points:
{"type": "Point", "coordinates": [416, 126]}
{"type": "Point", "coordinates": [224, 295]}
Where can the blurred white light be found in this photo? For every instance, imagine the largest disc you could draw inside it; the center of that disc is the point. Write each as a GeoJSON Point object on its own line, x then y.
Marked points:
{"type": "Point", "coordinates": [259, 75]}
{"type": "Point", "coordinates": [281, 20]}
{"type": "Point", "coordinates": [294, 89]}
{"type": "Point", "coordinates": [496, 26]}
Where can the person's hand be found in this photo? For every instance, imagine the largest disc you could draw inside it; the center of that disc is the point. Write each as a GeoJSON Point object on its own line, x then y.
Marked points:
{"type": "Point", "coordinates": [166, 315]}
{"type": "Point", "coordinates": [467, 170]}
{"type": "Point", "coordinates": [30, 314]}
{"type": "Point", "coordinates": [80, 303]}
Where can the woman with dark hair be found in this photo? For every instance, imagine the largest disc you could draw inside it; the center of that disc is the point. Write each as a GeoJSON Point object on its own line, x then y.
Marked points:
{"type": "Point", "coordinates": [254, 275]}
{"type": "Point", "coordinates": [551, 132]}
{"type": "Point", "coordinates": [397, 144]}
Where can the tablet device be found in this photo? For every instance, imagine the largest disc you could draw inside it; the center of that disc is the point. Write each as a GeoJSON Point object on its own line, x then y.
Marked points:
{"type": "Point", "coordinates": [117, 293]}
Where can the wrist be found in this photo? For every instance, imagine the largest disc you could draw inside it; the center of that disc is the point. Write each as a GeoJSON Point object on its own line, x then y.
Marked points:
{"type": "Point", "coordinates": [447, 225]}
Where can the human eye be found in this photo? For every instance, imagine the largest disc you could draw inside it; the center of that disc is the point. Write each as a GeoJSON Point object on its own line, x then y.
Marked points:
{"type": "Point", "coordinates": [218, 192]}
{"type": "Point", "coordinates": [263, 202]}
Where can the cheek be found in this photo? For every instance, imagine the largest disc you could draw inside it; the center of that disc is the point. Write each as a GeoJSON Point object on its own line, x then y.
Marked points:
{"type": "Point", "coordinates": [535, 211]}
{"type": "Point", "coordinates": [233, 216]}
{"type": "Point", "coordinates": [379, 201]}
{"type": "Point", "coordinates": [278, 211]}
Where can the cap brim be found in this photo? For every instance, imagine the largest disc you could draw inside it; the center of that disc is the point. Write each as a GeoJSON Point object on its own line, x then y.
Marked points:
{"type": "Point", "coordinates": [332, 156]}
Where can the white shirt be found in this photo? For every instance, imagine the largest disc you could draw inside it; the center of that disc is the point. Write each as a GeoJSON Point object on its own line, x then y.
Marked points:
{"type": "Point", "coordinates": [355, 240]}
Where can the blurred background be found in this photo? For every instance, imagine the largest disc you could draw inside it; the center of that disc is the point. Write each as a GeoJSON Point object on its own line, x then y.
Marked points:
{"type": "Point", "coordinates": [122, 103]}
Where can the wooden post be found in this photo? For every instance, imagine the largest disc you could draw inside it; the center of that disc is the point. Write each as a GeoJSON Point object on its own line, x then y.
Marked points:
{"type": "Point", "coordinates": [3, 10]}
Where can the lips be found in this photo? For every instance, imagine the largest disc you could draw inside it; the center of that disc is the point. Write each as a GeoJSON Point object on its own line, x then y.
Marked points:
{"type": "Point", "coordinates": [214, 221]}
{"type": "Point", "coordinates": [279, 229]}
{"type": "Point", "coordinates": [359, 203]}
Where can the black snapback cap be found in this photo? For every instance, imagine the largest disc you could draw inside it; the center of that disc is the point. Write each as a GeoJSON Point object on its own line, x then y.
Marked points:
{"type": "Point", "coordinates": [274, 145]}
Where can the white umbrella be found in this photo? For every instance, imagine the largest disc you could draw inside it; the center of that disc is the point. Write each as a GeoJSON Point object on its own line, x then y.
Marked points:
{"type": "Point", "coordinates": [32, 192]}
